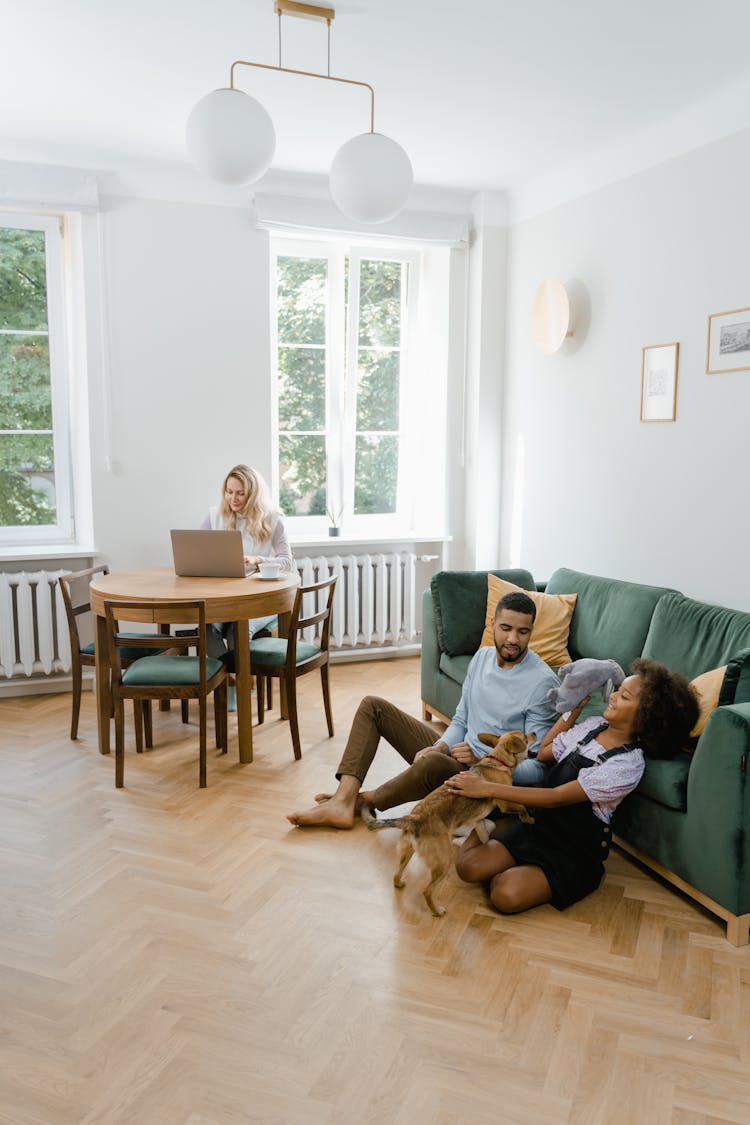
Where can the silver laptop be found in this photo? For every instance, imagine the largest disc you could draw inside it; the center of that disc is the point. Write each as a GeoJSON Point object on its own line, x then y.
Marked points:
{"type": "Point", "coordinates": [209, 554]}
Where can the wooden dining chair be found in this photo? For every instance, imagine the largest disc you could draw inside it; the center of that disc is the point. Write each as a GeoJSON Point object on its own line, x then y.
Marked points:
{"type": "Point", "coordinates": [74, 589]}
{"type": "Point", "coordinates": [167, 675]}
{"type": "Point", "coordinates": [287, 658]}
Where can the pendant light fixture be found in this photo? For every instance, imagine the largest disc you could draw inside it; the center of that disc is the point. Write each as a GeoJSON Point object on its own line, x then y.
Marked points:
{"type": "Point", "coordinates": [230, 137]}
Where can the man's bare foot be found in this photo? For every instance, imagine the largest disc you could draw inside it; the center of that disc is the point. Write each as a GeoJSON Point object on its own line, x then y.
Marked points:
{"type": "Point", "coordinates": [332, 813]}
{"type": "Point", "coordinates": [321, 798]}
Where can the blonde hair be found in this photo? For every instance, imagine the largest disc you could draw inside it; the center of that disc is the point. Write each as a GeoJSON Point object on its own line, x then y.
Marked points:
{"type": "Point", "coordinates": [257, 510]}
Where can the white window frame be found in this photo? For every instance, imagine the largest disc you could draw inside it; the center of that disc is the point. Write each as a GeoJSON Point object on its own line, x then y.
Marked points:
{"type": "Point", "coordinates": [340, 393]}
{"type": "Point", "coordinates": [63, 530]}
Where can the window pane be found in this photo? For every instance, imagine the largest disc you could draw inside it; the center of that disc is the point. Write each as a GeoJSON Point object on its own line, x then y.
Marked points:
{"type": "Point", "coordinates": [302, 389]}
{"type": "Point", "coordinates": [301, 300]}
{"type": "Point", "coordinates": [23, 279]}
{"type": "Point", "coordinates": [378, 390]}
{"type": "Point", "coordinates": [376, 474]}
{"type": "Point", "coordinates": [25, 392]}
{"type": "Point", "coordinates": [27, 480]}
{"type": "Point", "coordinates": [380, 304]}
{"type": "Point", "coordinates": [302, 474]}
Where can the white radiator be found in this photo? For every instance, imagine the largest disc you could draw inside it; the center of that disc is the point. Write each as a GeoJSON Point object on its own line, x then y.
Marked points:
{"type": "Point", "coordinates": [376, 604]}
{"type": "Point", "coordinates": [33, 628]}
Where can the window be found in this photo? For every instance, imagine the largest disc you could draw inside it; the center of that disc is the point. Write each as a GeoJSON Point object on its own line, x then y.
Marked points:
{"type": "Point", "coordinates": [35, 498]}
{"type": "Point", "coordinates": [345, 321]}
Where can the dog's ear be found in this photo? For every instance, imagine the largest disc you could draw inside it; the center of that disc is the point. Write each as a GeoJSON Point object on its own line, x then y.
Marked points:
{"type": "Point", "coordinates": [530, 738]}
{"type": "Point", "coordinates": [489, 739]}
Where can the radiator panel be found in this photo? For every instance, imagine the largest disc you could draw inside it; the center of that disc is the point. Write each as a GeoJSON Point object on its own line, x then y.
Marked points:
{"type": "Point", "coordinates": [375, 603]}
{"type": "Point", "coordinates": [33, 629]}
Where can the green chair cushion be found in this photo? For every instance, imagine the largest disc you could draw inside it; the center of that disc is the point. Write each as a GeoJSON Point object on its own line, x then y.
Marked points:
{"type": "Point", "coordinates": [272, 651]}
{"type": "Point", "coordinates": [611, 618]}
{"type": "Point", "coordinates": [169, 670]}
{"type": "Point", "coordinates": [134, 653]}
{"type": "Point", "coordinates": [694, 637]}
{"type": "Point", "coordinates": [735, 687]}
{"type": "Point", "coordinates": [666, 781]}
{"type": "Point", "coordinates": [460, 601]}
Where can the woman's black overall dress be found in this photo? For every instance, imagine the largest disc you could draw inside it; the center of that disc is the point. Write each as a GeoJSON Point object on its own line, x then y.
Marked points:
{"type": "Point", "coordinates": [570, 843]}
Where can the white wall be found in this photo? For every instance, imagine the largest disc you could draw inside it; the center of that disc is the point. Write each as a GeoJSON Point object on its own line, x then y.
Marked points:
{"type": "Point", "coordinates": [179, 367]}
{"type": "Point", "coordinates": [586, 484]}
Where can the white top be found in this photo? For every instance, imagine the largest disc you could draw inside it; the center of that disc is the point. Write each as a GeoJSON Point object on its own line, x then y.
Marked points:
{"type": "Point", "coordinates": [605, 785]}
{"type": "Point", "coordinates": [274, 549]}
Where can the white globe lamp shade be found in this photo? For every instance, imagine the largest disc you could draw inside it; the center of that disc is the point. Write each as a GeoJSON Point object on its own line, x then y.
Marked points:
{"type": "Point", "coordinates": [371, 177]}
{"type": "Point", "coordinates": [230, 137]}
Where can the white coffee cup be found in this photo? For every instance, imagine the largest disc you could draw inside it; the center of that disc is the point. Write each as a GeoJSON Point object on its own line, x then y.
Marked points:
{"type": "Point", "coordinates": [269, 569]}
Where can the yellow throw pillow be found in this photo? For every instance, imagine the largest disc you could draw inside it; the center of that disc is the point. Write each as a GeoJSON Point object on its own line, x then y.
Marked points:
{"type": "Point", "coordinates": [549, 638]}
{"type": "Point", "coordinates": [707, 688]}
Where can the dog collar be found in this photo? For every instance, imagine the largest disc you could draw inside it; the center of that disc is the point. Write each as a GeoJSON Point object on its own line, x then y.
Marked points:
{"type": "Point", "coordinates": [496, 759]}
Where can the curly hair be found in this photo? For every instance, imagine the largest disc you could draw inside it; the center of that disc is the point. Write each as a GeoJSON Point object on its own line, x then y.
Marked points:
{"type": "Point", "coordinates": [667, 712]}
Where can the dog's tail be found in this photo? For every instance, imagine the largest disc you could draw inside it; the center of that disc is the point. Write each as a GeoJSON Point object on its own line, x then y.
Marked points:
{"type": "Point", "coordinates": [369, 817]}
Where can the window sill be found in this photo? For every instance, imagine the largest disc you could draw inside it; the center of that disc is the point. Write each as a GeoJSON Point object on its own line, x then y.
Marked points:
{"type": "Point", "coordinates": [374, 541]}
{"type": "Point", "coordinates": [42, 551]}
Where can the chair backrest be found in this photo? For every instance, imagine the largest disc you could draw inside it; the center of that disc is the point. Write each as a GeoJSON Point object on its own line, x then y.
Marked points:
{"type": "Point", "coordinates": [189, 612]}
{"type": "Point", "coordinates": [72, 591]}
{"type": "Point", "coordinates": [298, 623]}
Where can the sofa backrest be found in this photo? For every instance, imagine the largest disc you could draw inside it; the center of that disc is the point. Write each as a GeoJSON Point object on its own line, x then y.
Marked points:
{"type": "Point", "coordinates": [460, 601]}
{"type": "Point", "coordinates": [693, 637]}
{"type": "Point", "coordinates": [611, 618]}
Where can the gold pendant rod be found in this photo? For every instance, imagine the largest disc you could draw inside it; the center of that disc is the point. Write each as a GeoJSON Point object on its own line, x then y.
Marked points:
{"type": "Point", "coordinates": [308, 74]}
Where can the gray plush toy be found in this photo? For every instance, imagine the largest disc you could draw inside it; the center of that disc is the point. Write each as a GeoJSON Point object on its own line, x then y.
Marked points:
{"type": "Point", "coordinates": [583, 677]}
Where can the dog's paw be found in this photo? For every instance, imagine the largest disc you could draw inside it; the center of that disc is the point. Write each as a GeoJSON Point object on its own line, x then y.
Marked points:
{"type": "Point", "coordinates": [437, 911]}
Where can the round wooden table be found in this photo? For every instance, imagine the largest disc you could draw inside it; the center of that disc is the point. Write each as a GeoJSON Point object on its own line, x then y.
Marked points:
{"type": "Point", "coordinates": [227, 599]}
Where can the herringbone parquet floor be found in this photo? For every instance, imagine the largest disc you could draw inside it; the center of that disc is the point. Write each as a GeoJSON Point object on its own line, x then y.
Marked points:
{"type": "Point", "coordinates": [172, 956]}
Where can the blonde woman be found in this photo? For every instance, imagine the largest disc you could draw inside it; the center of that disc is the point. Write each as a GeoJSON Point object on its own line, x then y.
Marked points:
{"type": "Point", "coordinates": [246, 506]}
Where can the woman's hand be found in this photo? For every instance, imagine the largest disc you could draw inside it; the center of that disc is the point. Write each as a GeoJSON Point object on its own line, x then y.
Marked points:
{"type": "Point", "coordinates": [252, 560]}
{"type": "Point", "coordinates": [469, 785]}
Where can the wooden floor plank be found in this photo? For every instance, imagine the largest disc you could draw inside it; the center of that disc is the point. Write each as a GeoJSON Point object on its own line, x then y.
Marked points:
{"type": "Point", "coordinates": [178, 956]}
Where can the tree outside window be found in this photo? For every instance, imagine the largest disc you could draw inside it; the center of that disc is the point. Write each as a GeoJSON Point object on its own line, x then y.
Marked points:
{"type": "Point", "coordinates": [27, 464]}
{"type": "Point", "coordinates": [341, 320]}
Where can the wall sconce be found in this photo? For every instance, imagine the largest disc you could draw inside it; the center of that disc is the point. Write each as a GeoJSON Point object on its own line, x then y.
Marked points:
{"type": "Point", "coordinates": [230, 137]}
{"type": "Point", "coordinates": [550, 316]}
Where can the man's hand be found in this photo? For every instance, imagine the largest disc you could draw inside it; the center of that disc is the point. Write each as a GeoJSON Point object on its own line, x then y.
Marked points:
{"type": "Point", "coordinates": [438, 748]}
{"type": "Point", "coordinates": [463, 753]}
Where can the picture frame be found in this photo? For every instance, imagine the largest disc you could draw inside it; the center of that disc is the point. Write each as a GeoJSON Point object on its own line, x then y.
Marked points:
{"type": "Point", "coordinates": [659, 382]}
{"type": "Point", "coordinates": [728, 346]}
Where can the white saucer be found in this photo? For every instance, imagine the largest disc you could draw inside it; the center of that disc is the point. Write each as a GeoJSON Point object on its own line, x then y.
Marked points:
{"type": "Point", "coordinates": [267, 577]}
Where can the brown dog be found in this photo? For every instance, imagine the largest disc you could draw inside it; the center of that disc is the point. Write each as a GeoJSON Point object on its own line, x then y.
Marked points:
{"type": "Point", "coordinates": [429, 828]}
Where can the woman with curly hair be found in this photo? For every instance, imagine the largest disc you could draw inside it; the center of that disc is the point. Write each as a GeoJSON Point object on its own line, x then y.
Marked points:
{"type": "Point", "coordinates": [596, 763]}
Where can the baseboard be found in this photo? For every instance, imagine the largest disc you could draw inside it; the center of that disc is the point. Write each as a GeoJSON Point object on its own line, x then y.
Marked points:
{"type": "Point", "coordinates": [42, 685]}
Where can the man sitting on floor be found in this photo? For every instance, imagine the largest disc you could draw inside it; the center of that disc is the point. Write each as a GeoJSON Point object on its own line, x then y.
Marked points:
{"type": "Point", "coordinates": [505, 689]}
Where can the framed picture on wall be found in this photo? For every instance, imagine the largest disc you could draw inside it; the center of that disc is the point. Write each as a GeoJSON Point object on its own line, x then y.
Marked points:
{"type": "Point", "coordinates": [728, 342]}
{"type": "Point", "coordinates": [659, 383]}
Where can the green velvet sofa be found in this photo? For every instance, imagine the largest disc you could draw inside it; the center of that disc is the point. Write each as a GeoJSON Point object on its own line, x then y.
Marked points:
{"type": "Point", "coordinates": [689, 819]}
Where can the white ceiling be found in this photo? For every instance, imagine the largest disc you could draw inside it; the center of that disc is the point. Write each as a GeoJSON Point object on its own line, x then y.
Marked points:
{"type": "Point", "coordinates": [482, 94]}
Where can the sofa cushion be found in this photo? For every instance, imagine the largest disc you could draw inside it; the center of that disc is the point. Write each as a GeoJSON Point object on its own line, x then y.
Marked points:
{"type": "Point", "coordinates": [611, 617]}
{"type": "Point", "coordinates": [736, 685]}
{"type": "Point", "coordinates": [707, 688]}
{"type": "Point", "coordinates": [551, 625]}
{"type": "Point", "coordinates": [665, 781]}
{"type": "Point", "coordinates": [455, 667]}
{"type": "Point", "coordinates": [459, 598]}
{"type": "Point", "coordinates": [691, 637]}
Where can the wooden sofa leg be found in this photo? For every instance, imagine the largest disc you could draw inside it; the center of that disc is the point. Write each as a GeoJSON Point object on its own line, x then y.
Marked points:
{"type": "Point", "coordinates": [426, 713]}
{"type": "Point", "coordinates": [738, 929]}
